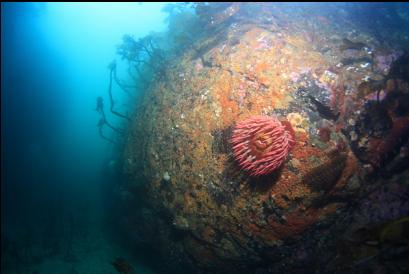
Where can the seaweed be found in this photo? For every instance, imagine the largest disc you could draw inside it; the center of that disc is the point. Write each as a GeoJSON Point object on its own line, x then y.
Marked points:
{"type": "Point", "coordinates": [375, 119]}
{"type": "Point", "coordinates": [221, 144]}
{"type": "Point", "coordinates": [385, 149]}
{"type": "Point", "coordinates": [325, 176]}
{"type": "Point", "coordinates": [370, 86]}
{"type": "Point", "coordinates": [350, 61]}
{"type": "Point", "coordinates": [324, 110]}
{"type": "Point", "coordinates": [400, 68]}
{"type": "Point", "coordinates": [112, 68]}
{"type": "Point", "coordinates": [145, 57]}
{"type": "Point", "coordinates": [103, 121]}
{"type": "Point", "coordinates": [122, 266]}
{"type": "Point", "coordinates": [348, 44]}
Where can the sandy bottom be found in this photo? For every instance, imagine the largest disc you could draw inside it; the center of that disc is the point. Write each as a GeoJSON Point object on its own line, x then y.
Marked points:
{"type": "Point", "coordinates": [91, 256]}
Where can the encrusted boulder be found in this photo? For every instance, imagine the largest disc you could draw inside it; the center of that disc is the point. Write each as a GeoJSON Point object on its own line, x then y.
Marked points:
{"type": "Point", "coordinates": [217, 215]}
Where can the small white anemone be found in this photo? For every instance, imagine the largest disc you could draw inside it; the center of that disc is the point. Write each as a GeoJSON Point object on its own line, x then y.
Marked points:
{"type": "Point", "coordinates": [166, 176]}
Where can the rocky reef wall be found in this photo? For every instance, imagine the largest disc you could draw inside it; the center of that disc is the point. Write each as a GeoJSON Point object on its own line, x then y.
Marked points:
{"type": "Point", "coordinates": [344, 92]}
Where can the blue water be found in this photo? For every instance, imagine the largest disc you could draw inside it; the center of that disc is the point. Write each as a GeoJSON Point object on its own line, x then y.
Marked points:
{"type": "Point", "coordinates": [54, 64]}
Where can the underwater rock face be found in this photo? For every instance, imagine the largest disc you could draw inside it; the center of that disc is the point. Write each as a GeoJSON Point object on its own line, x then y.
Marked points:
{"type": "Point", "coordinates": [217, 216]}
